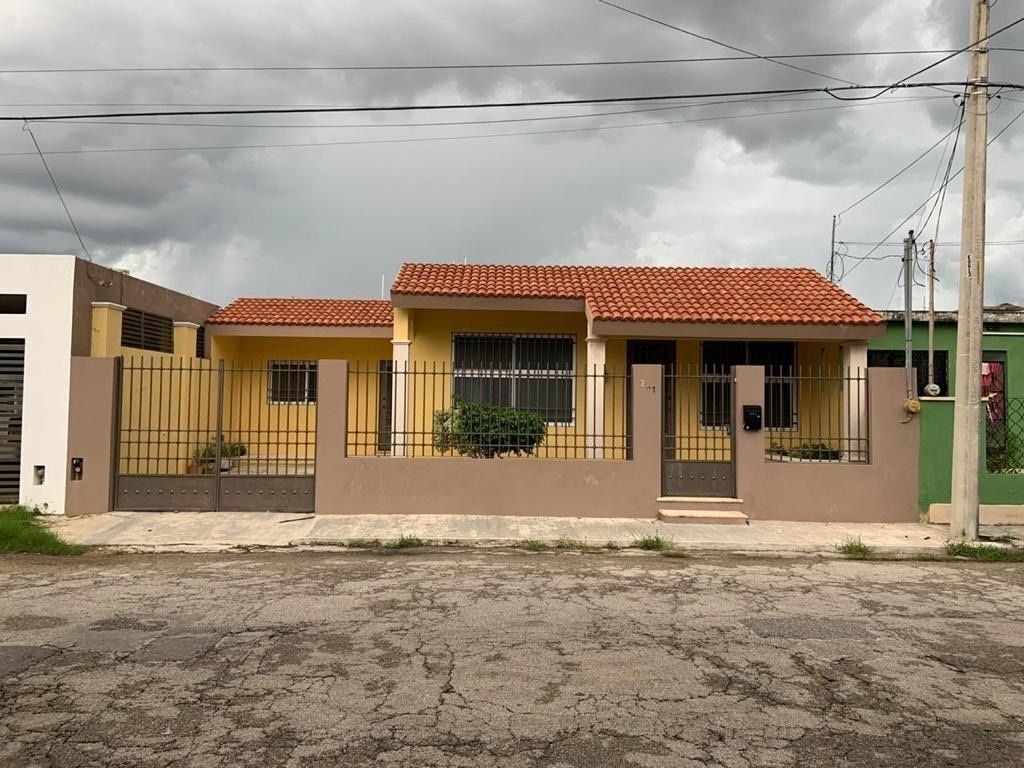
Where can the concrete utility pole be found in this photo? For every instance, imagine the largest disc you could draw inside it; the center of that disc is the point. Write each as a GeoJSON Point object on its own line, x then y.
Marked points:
{"type": "Point", "coordinates": [967, 413]}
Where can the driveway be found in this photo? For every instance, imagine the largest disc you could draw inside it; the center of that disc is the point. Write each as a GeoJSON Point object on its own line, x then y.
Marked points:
{"type": "Point", "coordinates": [492, 659]}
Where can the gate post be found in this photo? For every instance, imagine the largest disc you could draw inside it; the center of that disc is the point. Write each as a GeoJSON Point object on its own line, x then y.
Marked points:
{"type": "Point", "coordinates": [331, 434]}
{"type": "Point", "coordinates": [648, 382]}
{"type": "Point", "coordinates": [95, 407]}
{"type": "Point", "coordinates": [748, 447]}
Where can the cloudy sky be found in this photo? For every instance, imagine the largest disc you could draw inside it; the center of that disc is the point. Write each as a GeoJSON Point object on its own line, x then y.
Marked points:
{"type": "Point", "coordinates": [747, 183]}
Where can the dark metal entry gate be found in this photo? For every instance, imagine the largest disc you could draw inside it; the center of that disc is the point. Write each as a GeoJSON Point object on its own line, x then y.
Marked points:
{"type": "Point", "coordinates": [697, 457]}
{"type": "Point", "coordinates": [201, 436]}
{"type": "Point", "coordinates": [12, 393]}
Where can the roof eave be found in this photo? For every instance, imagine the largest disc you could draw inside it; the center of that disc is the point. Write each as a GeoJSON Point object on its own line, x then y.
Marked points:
{"type": "Point", "coordinates": [306, 331]}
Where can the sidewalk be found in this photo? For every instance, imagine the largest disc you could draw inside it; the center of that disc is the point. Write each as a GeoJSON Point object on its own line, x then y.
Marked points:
{"type": "Point", "coordinates": [220, 531]}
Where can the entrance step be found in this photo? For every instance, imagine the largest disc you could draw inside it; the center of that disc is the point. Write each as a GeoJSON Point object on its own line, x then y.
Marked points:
{"type": "Point", "coordinates": [705, 503]}
{"type": "Point", "coordinates": [705, 516]}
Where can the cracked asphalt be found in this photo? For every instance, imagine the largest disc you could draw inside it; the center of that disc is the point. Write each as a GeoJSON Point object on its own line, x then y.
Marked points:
{"type": "Point", "coordinates": [508, 660]}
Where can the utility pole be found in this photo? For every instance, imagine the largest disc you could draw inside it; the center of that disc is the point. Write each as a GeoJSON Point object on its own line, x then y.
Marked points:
{"type": "Point", "coordinates": [930, 389]}
{"type": "Point", "coordinates": [832, 254]}
{"type": "Point", "coordinates": [967, 412]}
{"type": "Point", "coordinates": [909, 253]}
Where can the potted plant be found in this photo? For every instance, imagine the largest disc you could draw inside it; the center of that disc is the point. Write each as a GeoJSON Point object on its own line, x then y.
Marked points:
{"type": "Point", "coordinates": [204, 456]}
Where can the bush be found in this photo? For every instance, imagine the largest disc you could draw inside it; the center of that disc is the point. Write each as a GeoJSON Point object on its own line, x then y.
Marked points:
{"type": "Point", "coordinates": [207, 454]}
{"type": "Point", "coordinates": [812, 451]}
{"type": "Point", "coordinates": [487, 431]}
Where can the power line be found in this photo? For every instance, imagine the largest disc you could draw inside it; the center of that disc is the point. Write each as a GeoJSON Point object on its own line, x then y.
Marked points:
{"type": "Point", "coordinates": [900, 172]}
{"type": "Point", "coordinates": [433, 124]}
{"type": "Point", "coordinates": [423, 139]}
{"type": "Point", "coordinates": [496, 65]}
{"type": "Point", "coordinates": [57, 190]}
{"type": "Point", "coordinates": [490, 105]}
{"type": "Point", "coordinates": [708, 39]}
{"type": "Point", "coordinates": [867, 257]}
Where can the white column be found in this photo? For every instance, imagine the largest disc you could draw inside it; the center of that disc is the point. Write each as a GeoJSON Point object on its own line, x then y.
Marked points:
{"type": "Point", "coordinates": [594, 439]}
{"type": "Point", "coordinates": [399, 378]}
{"type": "Point", "coordinates": [855, 403]}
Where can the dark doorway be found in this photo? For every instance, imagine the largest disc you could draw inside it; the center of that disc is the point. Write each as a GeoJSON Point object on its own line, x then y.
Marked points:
{"type": "Point", "coordinates": [652, 352]}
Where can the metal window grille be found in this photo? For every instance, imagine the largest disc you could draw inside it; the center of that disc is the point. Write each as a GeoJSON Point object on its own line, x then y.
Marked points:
{"type": "Point", "coordinates": [717, 360]}
{"type": "Point", "coordinates": [407, 411]}
{"type": "Point", "coordinates": [530, 372]}
{"type": "Point", "coordinates": [201, 341]}
{"type": "Point", "coordinates": [145, 330]}
{"type": "Point", "coordinates": [895, 358]}
{"type": "Point", "coordinates": [1004, 440]}
{"type": "Point", "coordinates": [817, 414]}
{"type": "Point", "coordinates": [291, 381]}
{"type": "Point", "coordinates": [184, 416]}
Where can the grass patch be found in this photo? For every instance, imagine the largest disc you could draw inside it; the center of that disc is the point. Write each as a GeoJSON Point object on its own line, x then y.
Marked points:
{"type": "Point", "coordinates": [986, 553]}
{"type": "Point", "coordinates": [364, 543]}
{"type": "Point", "coordinates": [22, 531]}
{"type": "Point", "coordinates": [673, 553]}
{"type": "Point", "coordinates": [653, 543]}
{"type": "Point", "coordinates": [404, 542]}
{"type": "Point", "coordinates": [855, 549]}
{"type": "Point", "coordinates": [566, 543]}
{"type": "Point", "coordinates": [534, 546]}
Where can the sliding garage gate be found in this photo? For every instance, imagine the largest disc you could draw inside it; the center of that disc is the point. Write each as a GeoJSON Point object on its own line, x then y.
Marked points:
{"type": "Point", "coordinates": [12, 391]}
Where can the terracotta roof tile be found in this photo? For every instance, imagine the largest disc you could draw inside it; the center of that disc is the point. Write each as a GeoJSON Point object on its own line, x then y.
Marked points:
{"type": "Point", "coordinates": [762, 295]}
{"type": "Point", "coordinates": [323, 312]}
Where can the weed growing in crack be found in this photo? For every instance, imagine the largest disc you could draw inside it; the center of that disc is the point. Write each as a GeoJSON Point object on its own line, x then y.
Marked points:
{"type": "Point", "coordinates": [653, 543]}
{"type": "Point", "coordinates": [855, 549]}
{"type": "Point", "coordinates": [404, 542]}
{"type": "Point", "coordinates": [364, 543]}
{"type": "Point", "coordinates": [534, 546]}
{"type": "Point", "coordinates": [984, 552]}
{"type": "Point", "coordinates": [673, 553]}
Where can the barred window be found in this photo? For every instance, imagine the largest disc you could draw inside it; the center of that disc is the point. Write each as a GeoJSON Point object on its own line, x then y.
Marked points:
{"type": "Point", "coordinates": [895, 358]}
{"type": "Point", "coordinates": [291, 381]}
{"type": "Point", "coordinates": [145, 330]}
{"type": "Point", "coordinates": [531, 373]}
{"type": "Point", "coordinates": [779, 361]}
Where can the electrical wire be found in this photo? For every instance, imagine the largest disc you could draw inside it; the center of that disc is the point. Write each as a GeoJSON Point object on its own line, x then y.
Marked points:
{"type": "Point", "coordinates": [729, 46]}
{"type": "Point", "coordinates": [56, 189]}
{"type": "Point", "coordinates": [496, 65]}
{"type": "Point", "coordinates": [867, 257]}
{"type": "Point", "coordinates": [496, 105]}
{"type": "Point", "coordinates": [426, 139]}
{"type": "Point", "coordinates": [959, 120]}
{"type": "Point", "coordinates": [903, 170]}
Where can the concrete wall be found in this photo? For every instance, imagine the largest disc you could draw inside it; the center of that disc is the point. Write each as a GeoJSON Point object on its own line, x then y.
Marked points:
{"type": "Point", "coordinates": [46, 328]}
{"type": "Point", "coordinates": [883, 490]}
{"type": "Point", "coordinates": [576, 488]}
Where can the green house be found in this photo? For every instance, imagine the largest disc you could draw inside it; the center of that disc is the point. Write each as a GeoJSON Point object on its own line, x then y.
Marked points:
{"type": "Point", "coordinates": [1002, 463]}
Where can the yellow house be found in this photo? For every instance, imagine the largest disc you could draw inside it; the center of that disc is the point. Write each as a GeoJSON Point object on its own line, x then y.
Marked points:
{"type": "Point", "coordinates": [560, 342]}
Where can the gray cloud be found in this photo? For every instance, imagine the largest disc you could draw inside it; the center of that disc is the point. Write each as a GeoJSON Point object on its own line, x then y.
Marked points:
{"type": "Point", "coordinates": [331, 220]}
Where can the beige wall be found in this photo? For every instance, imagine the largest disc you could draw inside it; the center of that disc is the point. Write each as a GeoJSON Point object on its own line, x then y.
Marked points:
{"type": "Point", "coordinates": [884, 490]}
{"type": "Point", "coordinates": [582, 488]}
{"type": "Point", "coordinates": [91, 435]}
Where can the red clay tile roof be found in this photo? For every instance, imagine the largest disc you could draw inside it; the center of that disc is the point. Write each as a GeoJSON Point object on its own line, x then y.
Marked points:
{"type": "Point", "coordinates": [762, 295]}
{"type": "Point", "coordinates": [326, 312]}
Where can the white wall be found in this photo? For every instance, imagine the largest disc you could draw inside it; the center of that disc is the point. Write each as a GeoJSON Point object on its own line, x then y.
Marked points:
{"type": "Point", "coordinates": [48, 282]}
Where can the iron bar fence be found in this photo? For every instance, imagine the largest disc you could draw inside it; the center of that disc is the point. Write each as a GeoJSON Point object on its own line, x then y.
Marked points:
{"type": "Point", "coordinates": [1004, 443]}
{"type": "Point", "coordinates": [432, 410]}
{"type": "Point", "coordinates": [188, 416]}
{"type": "Point", "coordinates": [816, 414]}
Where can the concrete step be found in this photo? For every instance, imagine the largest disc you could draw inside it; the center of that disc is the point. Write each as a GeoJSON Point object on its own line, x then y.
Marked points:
{"type": "Point", "coordinates": [705, 503]}
{"type": "Point", "coordinates": [705, 516]}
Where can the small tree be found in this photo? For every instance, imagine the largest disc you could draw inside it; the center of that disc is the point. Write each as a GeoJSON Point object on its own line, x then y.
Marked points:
{"type": "Point", "coordinates": [487, 431]}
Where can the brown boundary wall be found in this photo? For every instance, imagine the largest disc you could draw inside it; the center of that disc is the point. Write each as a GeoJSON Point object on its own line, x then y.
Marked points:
{"type": "Point", "coordinates": [881, 491]}
{"type": "Point", "coordinates": [463, 486]}
{"type": "Point", "coordinates": [91, 424]}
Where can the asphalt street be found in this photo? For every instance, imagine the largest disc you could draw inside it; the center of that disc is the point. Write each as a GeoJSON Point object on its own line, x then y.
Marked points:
{"type": "Point", "coordinates": [508, 660]}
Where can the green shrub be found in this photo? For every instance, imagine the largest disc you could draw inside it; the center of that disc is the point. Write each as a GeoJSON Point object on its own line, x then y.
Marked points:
{"type": "Point", "coordinates": [812, 451]}
{"type": "Point", "coordinates": [487, 431]}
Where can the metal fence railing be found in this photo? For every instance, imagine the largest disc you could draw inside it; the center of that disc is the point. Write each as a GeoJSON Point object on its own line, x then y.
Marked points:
{"type": "Point", "coordinates": [816, 414]}
{"type": "Point", "coordinates": [187, 416]}
{"type": "Point", "coordinates": [1004, 442]}
{"type": "Point", "coordinates": [697, 414]}
{"type": "Point", "coordinates": [431, 409]}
